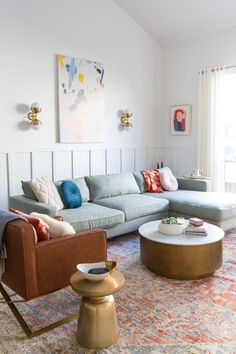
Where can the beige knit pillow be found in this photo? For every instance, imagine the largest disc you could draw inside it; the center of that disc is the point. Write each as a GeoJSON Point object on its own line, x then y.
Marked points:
{"type": "Point", "coordinates": [46, 192]}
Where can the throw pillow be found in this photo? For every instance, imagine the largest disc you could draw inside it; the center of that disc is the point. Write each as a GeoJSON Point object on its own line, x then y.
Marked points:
{"type": "Point", "coordinates": [70, 195]}
{"type": "Point", "coordinates": [46, 192]}
{"type": "Point", "coordinates": [152, 181]}
{"type": "Point", "coordinates": [168, 181]}
{"type": "Point", "coordinates": [56, 228]}
{"type": "Point", "coordinates": [80, 182]}
{"type": "Point", "coordinates": [40, 226]}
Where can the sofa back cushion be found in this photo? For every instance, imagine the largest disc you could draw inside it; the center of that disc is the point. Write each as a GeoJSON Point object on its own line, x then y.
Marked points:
{"type": "Point", "coordinates": [105, 186]}
{"type": "Point", "coordinates": [28, 192]}
{"type": "Point", "coordinates": [140, 181]}
{"type": "Point", "coordinates": [80, 182]}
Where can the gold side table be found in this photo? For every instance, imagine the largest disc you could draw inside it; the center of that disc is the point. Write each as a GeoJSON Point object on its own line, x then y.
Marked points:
{"type": "Point", "coordinates": [97, 323]}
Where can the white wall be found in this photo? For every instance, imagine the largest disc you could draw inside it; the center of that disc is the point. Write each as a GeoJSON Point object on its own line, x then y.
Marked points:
{"type": "Point", "coordinates": [32, 33]}
{"type": "Point", "coordinates": [181, 64]}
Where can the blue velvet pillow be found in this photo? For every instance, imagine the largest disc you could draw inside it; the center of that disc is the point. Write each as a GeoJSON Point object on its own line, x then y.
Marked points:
{"type": "Point", "coordinates": [70, 194]}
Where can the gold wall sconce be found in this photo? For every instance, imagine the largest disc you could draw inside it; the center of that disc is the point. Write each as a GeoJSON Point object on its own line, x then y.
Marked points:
{"type": "Point", "coordinates": [125, 117]}
{"type": "Point", "coordinates": [35, 123]}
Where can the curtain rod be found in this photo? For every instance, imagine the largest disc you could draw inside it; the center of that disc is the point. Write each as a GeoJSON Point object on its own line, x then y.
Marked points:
{"type": "Point", "coordinates": [220, 68]}
{"type": "Point", "coordinates": [230, 67]}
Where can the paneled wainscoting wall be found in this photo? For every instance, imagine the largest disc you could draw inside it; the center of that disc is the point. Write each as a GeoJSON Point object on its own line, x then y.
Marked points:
{"type": "Point", "coordinates": [59, 163]}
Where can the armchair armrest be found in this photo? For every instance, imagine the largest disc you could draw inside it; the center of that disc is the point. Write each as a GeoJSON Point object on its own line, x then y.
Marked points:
{"type": "Point", "coordinates": [57, 258]}
{"type": "Point", "coordinates": [20, 264]}
{"type": "Point", "coordinates": [194, 184]}
{"type": "Point", "coordinates": [27, 205]}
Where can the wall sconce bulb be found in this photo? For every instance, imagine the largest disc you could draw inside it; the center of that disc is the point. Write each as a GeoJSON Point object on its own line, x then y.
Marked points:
{"type": "Point", "coordinates": [35, 123]}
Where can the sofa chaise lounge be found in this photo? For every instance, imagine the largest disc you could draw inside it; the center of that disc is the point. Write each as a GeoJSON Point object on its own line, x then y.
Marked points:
{"type": "Point", "coordinates": [119, 203]}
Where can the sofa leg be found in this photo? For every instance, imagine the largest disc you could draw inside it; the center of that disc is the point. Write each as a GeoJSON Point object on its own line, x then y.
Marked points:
{"type": "Point", "coordinates": [28, 331]}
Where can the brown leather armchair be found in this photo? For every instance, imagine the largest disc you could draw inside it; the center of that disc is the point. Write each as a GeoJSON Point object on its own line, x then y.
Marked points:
{"type": "Point", "coordinates": [34, 269]}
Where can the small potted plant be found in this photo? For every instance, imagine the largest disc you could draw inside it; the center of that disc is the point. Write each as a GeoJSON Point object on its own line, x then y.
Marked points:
{"type": "Point", "coordinates": [172, 226]}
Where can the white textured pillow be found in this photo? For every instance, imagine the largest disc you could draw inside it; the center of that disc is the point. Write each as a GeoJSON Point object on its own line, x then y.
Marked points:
{"type": "Point", "coordinates": [56, 228]}
{"type": "Point", "coordinates": [46, 192]}
{"type": "Point", "coordinates": [168, 181]}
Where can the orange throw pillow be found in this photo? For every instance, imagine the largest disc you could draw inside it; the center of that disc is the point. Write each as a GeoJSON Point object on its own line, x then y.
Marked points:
{"type": "Point", "coordinates": [152, 181]}
{"type": "Point", "coordinates": [40, 227]}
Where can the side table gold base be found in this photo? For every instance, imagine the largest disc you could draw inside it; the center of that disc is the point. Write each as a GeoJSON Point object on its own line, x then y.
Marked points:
{"type": "Point", "coordinates": [97, 324]}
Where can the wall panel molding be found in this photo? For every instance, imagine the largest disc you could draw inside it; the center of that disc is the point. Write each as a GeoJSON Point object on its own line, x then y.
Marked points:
{"type": "Point", "coordinates": [64, 162]}
{"type": "Point", "coordinates": [180, 160]}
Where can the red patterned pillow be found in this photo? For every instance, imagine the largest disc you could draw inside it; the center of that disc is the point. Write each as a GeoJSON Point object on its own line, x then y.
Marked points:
{"type": "Point", "coordinates": [41, 227]}
{"type": "Point", "coordinates": [152, 181]}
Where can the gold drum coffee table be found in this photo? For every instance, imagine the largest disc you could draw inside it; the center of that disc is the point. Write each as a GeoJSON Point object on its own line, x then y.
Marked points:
{"type": "Point", "coordinates": [97, 323]}
{"type": "Point", "coordinates": [181, 256]}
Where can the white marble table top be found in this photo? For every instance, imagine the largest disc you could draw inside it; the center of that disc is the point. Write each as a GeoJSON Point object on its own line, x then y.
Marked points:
{"type": "Point", "coordinates": [150, 231]}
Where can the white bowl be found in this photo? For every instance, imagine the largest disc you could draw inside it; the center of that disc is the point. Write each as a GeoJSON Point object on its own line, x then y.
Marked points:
{"type": "Point", "coordinates": [83, 269]}
{"type": "Point", "coordinates": [171, 229]}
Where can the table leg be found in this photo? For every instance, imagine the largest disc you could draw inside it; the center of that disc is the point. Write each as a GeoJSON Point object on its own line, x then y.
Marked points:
{"type": "Point", "coordinates": [97, 324]}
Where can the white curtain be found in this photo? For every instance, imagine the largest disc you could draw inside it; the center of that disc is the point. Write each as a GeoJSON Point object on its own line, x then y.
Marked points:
{"type": "Point", "coordinates": [211, 130]}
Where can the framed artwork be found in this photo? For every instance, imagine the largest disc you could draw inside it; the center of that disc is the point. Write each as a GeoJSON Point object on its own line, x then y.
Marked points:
{"type": "Point", "coordinates": [180, 119]}
{"type": "Point", "coordinates": [81, 100]}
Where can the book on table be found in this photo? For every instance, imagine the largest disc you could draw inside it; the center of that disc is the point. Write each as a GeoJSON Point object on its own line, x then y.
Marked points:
{"type": "Point", "coordinates": [196, 230]}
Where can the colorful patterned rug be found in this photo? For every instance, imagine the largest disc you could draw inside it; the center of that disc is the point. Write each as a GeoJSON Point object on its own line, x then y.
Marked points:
{"type": "Point", "coordinates": [155, 314]}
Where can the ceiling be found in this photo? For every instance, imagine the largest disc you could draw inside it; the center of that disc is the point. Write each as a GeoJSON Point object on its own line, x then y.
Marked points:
{"type": "Point", "coordinates": [173, 20]}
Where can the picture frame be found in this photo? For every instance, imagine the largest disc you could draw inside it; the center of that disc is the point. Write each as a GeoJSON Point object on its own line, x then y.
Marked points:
{"type": "Point", "coordinates": [180, 119]}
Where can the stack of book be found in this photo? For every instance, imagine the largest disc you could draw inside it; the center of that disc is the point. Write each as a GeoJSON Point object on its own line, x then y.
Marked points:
{"type": "Point", "coordinates": [196, 230]}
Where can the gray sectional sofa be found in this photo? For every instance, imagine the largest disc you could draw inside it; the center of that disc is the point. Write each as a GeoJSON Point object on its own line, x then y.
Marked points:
{"type": "Point", "coordinates": [119, 203]}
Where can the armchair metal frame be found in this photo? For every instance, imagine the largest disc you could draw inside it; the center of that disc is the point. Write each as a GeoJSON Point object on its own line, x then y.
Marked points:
{"type": "Point", "coordinates": [30, 333]}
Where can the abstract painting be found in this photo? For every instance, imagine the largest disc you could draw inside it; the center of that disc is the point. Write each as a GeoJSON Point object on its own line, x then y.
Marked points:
{"type": "Point", "coordinates": [81, 100]}
{"type": "Point", "coordinates": [180, 119]}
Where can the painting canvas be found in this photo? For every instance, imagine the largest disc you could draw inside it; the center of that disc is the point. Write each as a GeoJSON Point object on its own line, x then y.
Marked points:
{"type": "Point", "coordinates": [180, 119]}
{"type": "Point", "coordinates": [81, 100]}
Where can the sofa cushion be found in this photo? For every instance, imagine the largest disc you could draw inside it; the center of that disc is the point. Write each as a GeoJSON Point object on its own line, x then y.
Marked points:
{"type": "Point", "coordinates": [135, 205]}
{"type": "Point", "coordinates": [140, 181]}
{"type": "Point", "coordinates": [90, 216]}
{"type": "Point", "coordinates": [80, 182]}
{"type": "Point", "coordinates": [105, 186]}
{"type": "Point", "coordinates": [206, 205]}
{"type": "Point", "coordinates": [46, 192]}
{"type": "Point", "coordinates": [28, 193]}
{"type": "Point", "coordinates": [70, 194]}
